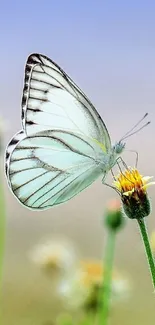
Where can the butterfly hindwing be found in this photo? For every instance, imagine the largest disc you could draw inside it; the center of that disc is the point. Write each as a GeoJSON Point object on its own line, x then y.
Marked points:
{"type": "Point", "coordinates": [51, 167]}
{"type": "Point", "coordinates": [11, 146]}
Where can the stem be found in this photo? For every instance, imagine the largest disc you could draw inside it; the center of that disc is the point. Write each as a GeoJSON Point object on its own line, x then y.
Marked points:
{"type": "Point", "coordinates": [149, 255]}
{"type": "Point", "coordinates": [107, 278]}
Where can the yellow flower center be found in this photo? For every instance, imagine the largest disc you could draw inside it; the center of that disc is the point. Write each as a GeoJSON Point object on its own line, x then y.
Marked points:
{"type": "Point", "coordinates": [130, 181]}
{"type": "Point", "coordinates": [93, 273]}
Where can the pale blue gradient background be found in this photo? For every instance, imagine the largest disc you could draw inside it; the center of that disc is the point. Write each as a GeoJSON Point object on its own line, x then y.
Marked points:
{"type": "Point", "coordinates": [108, 48]}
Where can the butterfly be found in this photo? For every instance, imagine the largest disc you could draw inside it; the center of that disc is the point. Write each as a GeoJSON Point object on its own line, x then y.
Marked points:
{"type": "Point", "coordinates": [63, 146]}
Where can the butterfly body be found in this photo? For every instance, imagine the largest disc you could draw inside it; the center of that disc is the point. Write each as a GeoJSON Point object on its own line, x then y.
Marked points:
{"type": "Point", "coordinates": [64, 145]}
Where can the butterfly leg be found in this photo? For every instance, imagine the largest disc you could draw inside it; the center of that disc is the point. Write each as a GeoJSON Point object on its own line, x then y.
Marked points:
{"type": "Point", "coordinates": [109, 185]}
{"type": "Point", "coordinates": [103, 178]}
{"type": "Point", "coordinates": [137, 157]}
{"type": "Point", "coordinates": [120, 160]}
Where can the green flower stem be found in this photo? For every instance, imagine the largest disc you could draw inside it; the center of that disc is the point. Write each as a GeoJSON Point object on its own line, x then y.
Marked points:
{"type": "Point", "coordinates": [107, 278]}
{"type": "Point", "coordinates": [149, 255]}
{"type": "Point", "coordinates": [2, 231]}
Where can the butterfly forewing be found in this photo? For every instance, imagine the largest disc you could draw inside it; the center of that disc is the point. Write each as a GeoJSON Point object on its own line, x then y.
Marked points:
{"type": "Point", "coordinates": [51, 100]}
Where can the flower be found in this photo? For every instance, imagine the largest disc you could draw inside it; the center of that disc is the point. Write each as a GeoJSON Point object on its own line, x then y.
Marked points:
{"type": "Point", "coordinates": [114, 218]}
{"type": "Point", "coordinates": [132, 187]}
{"type": "Point", "coordinates": [54, 255]}
{"type": "Point", "coordinates": [81, 290]}
{"type": "Point", "coordinates": [72, 291]}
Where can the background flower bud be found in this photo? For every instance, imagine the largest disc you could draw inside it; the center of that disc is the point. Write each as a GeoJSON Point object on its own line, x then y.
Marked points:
{"type": "Point", "coordinates": [114, 216]}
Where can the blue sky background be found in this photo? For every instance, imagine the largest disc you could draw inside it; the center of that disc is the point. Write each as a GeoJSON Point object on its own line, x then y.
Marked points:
{"type": "Point", "coordinates": [107, 47]}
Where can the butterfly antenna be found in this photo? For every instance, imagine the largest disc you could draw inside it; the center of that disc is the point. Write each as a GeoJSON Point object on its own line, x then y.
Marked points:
{"type": "Point", "coordinates": [142, 127]}
{"type": "Point", "coordinates": [129, 133]}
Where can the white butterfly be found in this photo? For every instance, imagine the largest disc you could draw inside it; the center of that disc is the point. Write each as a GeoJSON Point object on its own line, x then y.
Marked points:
{"type": "Point", "coordinates": [64, 145]}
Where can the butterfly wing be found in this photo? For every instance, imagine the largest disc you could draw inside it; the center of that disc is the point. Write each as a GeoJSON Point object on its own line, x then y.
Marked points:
{"type": "Point", "coordinates": [51, 100]}
{"type": "Point", "coordinates": [51, 167]}
{"type": "Point", "coordinates": [64, 143]}
{"type": "Point", "coordinates": [11, 146]}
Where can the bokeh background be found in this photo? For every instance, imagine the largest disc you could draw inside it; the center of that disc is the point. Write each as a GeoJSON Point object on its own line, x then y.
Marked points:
{"type": "Point", "coordinates": [108, 48]}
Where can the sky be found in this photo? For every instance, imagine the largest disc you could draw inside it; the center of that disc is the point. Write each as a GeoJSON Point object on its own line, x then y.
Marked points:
{"type": "Point", "coordinates": [107, 47]}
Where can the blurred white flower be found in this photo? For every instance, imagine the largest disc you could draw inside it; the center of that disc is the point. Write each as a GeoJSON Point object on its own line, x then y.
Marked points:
{"type": "Point", "coordinates": [121, 287]}
{"type": "Point", "coordinates": [73, 291]}
{"type": "Point", "coordinates": [81, 289]}
{"type": "Point", "coordinates": [54, 255]}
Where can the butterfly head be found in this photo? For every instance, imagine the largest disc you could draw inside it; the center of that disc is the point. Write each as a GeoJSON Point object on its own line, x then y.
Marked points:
{"type": "Point", "coordinates": [118, 147]}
